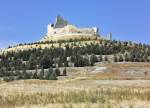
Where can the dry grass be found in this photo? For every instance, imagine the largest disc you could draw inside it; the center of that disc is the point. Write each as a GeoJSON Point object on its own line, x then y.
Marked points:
{"type": "Point", "coordinates": [124, 71]}
{"type": "Point", "coordinates": [43, 46]}
{"type": "Point", "coordinates": [99, 96]}
{"type": "Point", "coordinates": [83, 89]}
{"type": "Point", "coordinates": [126, 104]}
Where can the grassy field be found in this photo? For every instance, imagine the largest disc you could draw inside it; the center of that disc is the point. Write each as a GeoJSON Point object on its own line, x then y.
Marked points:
{"type": "Point", "coordinates": [105, 97]}
{"type": "Point", "coordinates": [118, 85]}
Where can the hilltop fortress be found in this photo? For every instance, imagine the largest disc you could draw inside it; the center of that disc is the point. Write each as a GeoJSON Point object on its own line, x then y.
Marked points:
{"type": "Point", "coordinates": [62, 30]}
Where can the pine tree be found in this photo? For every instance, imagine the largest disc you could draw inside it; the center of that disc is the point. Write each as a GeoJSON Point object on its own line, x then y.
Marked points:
{"type": "Point", "coordinates": [41, 76]}
{"type": "Point", "coordinates": [53, 76]}
{"type": "Point", "coordinates": [57, 71]}
{"type": "Point", "coordinates": [64, 72]}
{"type": "Point", "coordinates": [100, 58]}
{"type": "Point", "coordinates": [25, 74]}
{"type": "Point", "coordinates": [35, 76]}
{"type": "Point", "coordinates": [93, 59]}
{"type": "Point", "coordinates": [1, 73]}
{"type": "Point", "coordinates": [86, 61]}
{"type": "Point", "coordinates": [126, 58]}
{"type": "Point", "coordinates": [48, 75]}
{"type": "Point", "coordinates": [115, 59]}
{"type": "Point", "coordinates": [145, 57]}
{"type": "Point", "coordinates": [105, 58]}
{"type": "Point", "coordinates": [120, 58]}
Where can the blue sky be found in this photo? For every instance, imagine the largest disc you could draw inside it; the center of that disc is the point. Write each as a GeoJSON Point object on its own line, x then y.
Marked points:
{"type": "Point", "coordinates": [26, 20]}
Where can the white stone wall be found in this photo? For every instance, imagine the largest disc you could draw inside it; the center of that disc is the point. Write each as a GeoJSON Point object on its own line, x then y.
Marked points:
{"type": "Point", "coordinates": [70, 29]}
{"type": "Point", "coordinates": [68, 32]}
{"type": "Point", "coordinates": [68, 36]}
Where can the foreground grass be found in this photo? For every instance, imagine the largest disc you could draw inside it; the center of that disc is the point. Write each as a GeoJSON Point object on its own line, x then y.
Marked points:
{"type": "Point", "coordinates": [100, 97]}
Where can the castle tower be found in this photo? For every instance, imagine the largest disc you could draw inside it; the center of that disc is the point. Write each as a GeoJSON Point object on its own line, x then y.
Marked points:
{"type": "Point", "coordinates": [60, 22]}
{"type": "Point", "coordinates": [62, 30]}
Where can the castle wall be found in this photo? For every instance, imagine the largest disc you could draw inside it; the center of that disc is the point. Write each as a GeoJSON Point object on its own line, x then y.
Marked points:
{"type": "Point", "coordinates": [57, 37]}
{"type": "Point", "coordinates": [65, 31]}
{"type": "Point", "coordinates": [70, 29]}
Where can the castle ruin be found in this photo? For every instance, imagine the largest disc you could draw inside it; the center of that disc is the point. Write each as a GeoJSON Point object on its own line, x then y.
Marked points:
{"type": "Point", "coordinates": [62, 30]}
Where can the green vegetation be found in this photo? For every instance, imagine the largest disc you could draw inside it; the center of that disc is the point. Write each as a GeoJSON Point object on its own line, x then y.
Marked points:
{"type": "Point", "coordinates": [73, 52]}
{"type": "Point", "coordinates": [41, 74]}
{"type": "Point", "coordinates": [65, 72]}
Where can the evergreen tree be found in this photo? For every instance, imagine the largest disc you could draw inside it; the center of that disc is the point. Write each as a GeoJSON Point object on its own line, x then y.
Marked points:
{"type": "Point", "coordinates": [57, 71]}
{"type": "Point", "coordinates": [145, 57]}
{"type": "Point", "coordinates": [93, 59]}
{"type": "Point", "coordinates": [29, 59]}
{"type": "Point", "coordinates": [126, 58]}
{"type": "Point", "coordinates": [100, 58]}
{"type": "Point", "coordinates": [41, 75]}
{"type": "Point", "coordinates": [120, 58]}
{"type": "Point", "coordinates": [105, 58]}
{"type": "Point", "coordinates": [48, 75]}
{"type": "Point", "coordinates": [25, 74]}
{"type": "Point", "coordinates": [1, 73]}
{"type": "Point", "coordinates": [46, 61]}
{"type": "Point", "coordinates": [115, 59]}
{"type": "Point", "coordinates": [66, 64]}
{"type": "Point", "coordinates": [53, 76]}
{"type": "Point", "coordinates": [64, 72]}
{"type": "Point", "coordinates": [35, 74]}
{"type": "Point", "coordinates": [86, 62]}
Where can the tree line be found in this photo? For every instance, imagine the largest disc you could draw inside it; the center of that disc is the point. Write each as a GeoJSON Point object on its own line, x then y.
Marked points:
{"type": "Point", "coordinates": [76, 53]}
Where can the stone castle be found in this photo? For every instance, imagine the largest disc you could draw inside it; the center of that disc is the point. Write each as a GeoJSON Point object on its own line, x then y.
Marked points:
{"type": "Point", "coordinates": [62, 30]}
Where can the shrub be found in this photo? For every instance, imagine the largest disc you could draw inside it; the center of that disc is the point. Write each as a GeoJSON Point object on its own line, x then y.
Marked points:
{"type": "Point", "coordinates": [48, 75]}
{"type": "Point", "coordinates": [105, 58]}
{"type": "Point", "coordinates": [100, 58]}
{"type": "Point", "coordinates": [64, 72]}
{"type": "Point", "coordinates": [57, 71]}
{"type": "Point", "coordinates": [120, 58]}
{"type": "Point", "coordinates": [6, 79]}
{"type": "Point", "coordinates": [93, 59]}
{"type": "Point", "coordinates": [41, 75]}
{"type": "Point", "coordinates": [53, 76]}
{"type": "Point", "coordinates": [35, 76]}
{"type": "Point", "coordinates": [115, 59]}
{"type": "Point", "coordinates": [26, 75]}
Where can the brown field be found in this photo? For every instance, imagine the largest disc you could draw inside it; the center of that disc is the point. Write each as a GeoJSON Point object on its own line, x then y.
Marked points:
{"type": "Point", "coordinates": [107, 85]}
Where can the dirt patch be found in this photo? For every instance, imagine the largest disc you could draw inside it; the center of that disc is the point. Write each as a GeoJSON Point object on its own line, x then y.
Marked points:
{"type": "Point", "coordinates": [99, 69]}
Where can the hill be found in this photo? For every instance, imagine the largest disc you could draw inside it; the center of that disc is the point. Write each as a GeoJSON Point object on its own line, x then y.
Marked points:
{"type": "Point", "coordinates": [60, 31]}
{"type": "Point", "coordinates": [68, 53]}
{"type": "Point", "coordinates": [66, 45]}
{"type": "Point", "coordinates": [75, 67]}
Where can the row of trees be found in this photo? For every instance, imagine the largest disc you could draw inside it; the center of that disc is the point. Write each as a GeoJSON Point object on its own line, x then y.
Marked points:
{"type": "Point", "coordinates": [49, 74]}
{"type": "Point", "coordinates": [59, 41]}
{"type": "Point", "coordinates": [79, 53]}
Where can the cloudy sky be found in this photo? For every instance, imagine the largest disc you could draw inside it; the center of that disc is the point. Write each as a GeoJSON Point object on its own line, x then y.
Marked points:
{"type": "Point", "coordinates": [26, 20]}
